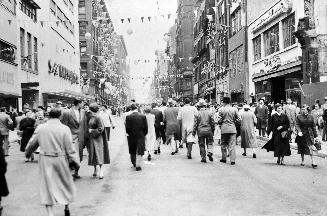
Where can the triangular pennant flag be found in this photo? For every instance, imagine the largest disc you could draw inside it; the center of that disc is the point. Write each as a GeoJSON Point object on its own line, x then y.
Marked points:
{"type": "Point", "coordinates": [149, 18]}
{"type": "Point", "coordinates": [9, 21]}
{"type": "Point", "coordinates": [42, 23]}
{"type": "Point", "coordinates": [142, 18]}
{"type": "Point", "coordinates": [129, 20]}
{"type": "Point", "coordinates": [163, 16]}
{"type": "Point", "coordinates": [122, 20]}
{"type": "Point", "coordinates": [169, 16]}
{"type": "Point", "coordinates": [57, 22]}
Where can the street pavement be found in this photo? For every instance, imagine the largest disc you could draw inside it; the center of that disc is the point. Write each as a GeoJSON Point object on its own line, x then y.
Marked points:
{"type": "Point", "coordinates": [174, 185]}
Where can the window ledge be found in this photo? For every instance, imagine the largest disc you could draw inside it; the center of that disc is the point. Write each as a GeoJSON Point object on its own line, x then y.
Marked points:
{"type": "Point", "coordinates": [30, 71]}
{"type": "Point", "coordinates": [276, 53]}
{"type": "Point", "coordinates": [12, 63]}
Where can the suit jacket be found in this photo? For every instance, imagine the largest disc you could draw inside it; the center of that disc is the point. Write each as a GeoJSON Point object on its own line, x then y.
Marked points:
{"type": "Point", "coordinates": [204, 123]}
{"type": "Point", "coordinates": [228, 117]}
{"type": "Point", "coordinates": [158, 117]}
{"type": "Point", "coordinates": [79, 129]}
{"type": "Point", "coordinates": [290, 112]}
{"type": "Point", "coordinates": [262, 115]}
{"type": "Point", "coordinates": [5, 124]}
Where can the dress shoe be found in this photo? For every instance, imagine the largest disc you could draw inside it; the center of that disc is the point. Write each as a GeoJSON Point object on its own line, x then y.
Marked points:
{"type": "Point", "coordinates": [244, 154]}
{"type": "Point", "coordinates": [181, 146]}
{"type": "Point", "coordinates": [203, 161]}
{"type": "Point", "coordinates": [314, 165]}
{"type": "Point", "coordinates": [155, 152]}
{"type": "Point", "coordinates": [210, 157]}
{"type": "Point", "coordinates": [278, 162]}
{"type": "Point", "coordinates": [254, 156]}
{"type": "Point", "coordinates": [232, 163]}
{"type": "Point", "coordinates": [149, 157]}
{"type": "Point", "coordinates": [302, 164]}
{"type": "Point", "coordinates": [138, 168]}
{"type": "Point", "coordinates": [173, 153]}
{"type": "Point", "coordinates": [223, 161]}
{"type": "Point", "coordinates": [76, 176]}
{"type": "Point", "coordinates": [189, 157]}
{"type": "Point", "coordinates": [159, 151]}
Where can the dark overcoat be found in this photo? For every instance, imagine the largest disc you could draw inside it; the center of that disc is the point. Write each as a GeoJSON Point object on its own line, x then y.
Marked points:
{"type": "Point", "coordinates": [279, 145]}
{"type": "Point", "coordinates": [306, 125]}
{"type": "Point", "coordinates": [136, 129]}
{"type": "Point", "coordinates": [262, 116]}
{"type": "Point", "coordinates": [3, 169]}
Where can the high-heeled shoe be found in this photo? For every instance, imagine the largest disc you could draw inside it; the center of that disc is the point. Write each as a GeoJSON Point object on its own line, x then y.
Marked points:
{"type": "Point", "coordinates": [101, 176]}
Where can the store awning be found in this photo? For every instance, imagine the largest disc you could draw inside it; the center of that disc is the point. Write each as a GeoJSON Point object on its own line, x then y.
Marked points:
{"type": "Point", "coordinates": [282, 71]}
{"type": "Point", "coordinates": [71, 94]}
{"type": "Point", "coordinates": [5, 94]}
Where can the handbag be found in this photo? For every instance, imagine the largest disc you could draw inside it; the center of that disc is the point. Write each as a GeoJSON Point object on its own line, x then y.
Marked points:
{"type": "Point", "coordinates": [317, 144]}
{"type": "Point", "coordinates": [284, 134]}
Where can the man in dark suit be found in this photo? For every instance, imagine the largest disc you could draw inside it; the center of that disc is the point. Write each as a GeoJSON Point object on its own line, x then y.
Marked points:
{"type": "Point", "coordinates": [157, 126]}
{"type": "Point", "coordinates": [261, 112]}
{"type": "Point", "coordinates": [136, 129]}
{"type": "Point", "coordinates": [75, 118]}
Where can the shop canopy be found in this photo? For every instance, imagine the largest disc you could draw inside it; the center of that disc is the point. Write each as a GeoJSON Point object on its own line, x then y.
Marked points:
{"type": "Point", "coordinates": [71, 94]}
{"type": "Point", "coordinates": [6, 94]}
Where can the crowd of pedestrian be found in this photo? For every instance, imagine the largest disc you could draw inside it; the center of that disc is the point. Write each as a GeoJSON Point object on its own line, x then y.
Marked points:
{"type": "Point", "coordinates": [59, 134]}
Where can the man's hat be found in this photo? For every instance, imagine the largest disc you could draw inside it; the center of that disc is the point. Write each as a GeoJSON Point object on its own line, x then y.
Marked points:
{"type": "Point", "coordinates": [202, 103]}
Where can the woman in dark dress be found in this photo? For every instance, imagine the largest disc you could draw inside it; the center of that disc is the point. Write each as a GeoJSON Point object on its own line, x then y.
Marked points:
{"type": "Point", "coordinates": [3, 169]}
{"type": "Point", "coordinates": [99, 150]}
{"type": "Point", "coordinates": [279, 143]}
{"type": "Point", "coordinates": [307, 133]}
{"type": "Point", "coordinates": [27, 126]}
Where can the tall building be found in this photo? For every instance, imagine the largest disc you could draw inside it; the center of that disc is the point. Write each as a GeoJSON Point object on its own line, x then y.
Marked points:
{"type": "Point", "coordinates": [274, 53]}
{"type": "Point", "coordinates": [184, 48]}
{"type": "Point", "coordinates": [9, 83]}
{"type": "Point", "coordinates": [203, 60]}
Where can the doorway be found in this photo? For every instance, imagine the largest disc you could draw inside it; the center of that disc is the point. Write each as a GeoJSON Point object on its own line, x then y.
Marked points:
{"type": "Point", "coordinates": [278, 92]}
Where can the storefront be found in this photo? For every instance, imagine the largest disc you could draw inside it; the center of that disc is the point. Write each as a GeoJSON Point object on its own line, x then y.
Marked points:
{"type": "Point", "coordinates": [9, 91]}
{"type": "Point", "coordinates": [66, 97]}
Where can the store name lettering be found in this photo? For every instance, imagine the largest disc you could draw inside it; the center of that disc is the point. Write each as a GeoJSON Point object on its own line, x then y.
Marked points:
{"type": "Point", "coordinates": [6, 77]}
{"type": "Point", "coordinates": [61, 71]}
{"type": "Point", "coordinates": [282, 7]}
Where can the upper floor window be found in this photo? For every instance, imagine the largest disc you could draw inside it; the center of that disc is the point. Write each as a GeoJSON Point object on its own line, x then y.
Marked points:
{"type": "Point", "coordinates": [257, 48]}
{"type": "Point", "coordinates": [27, 8]}
{"type": "Point", "coordinates": [7, 52]}
{"type": "Point", "coordinates": [288, 31]}
{"type": "Point", "coordinates": [271, 40]}
{"type": "Point", "coordinates": [236, 21]}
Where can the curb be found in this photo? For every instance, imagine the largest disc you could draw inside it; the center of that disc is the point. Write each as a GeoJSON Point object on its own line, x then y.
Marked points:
{"type": "Point", "coordinates": [293, 146]}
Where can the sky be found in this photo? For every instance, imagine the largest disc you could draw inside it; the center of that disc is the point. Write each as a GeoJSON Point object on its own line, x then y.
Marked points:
{"type": "Point", "coordinates": [146, 38]}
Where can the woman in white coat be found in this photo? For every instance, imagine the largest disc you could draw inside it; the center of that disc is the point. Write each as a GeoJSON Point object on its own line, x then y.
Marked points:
{"type": "Point", "coordinates": [56, 156]}
{"type": "Point", "coordinates": [150, 138]}
{"type": "Point", "coordinates": [248, 136]}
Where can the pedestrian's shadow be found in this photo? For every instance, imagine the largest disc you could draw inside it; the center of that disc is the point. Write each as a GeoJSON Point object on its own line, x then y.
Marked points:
{"type": "Point", "coordinates": [285, 166]}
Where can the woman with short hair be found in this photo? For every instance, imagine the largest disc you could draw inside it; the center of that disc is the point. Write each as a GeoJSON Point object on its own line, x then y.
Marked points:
{"type": "Point", "coordinates": [307, 133]}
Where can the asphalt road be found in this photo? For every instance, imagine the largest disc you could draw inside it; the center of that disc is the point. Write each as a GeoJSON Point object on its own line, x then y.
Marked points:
{"type": "Point", "coordinates": [173, 185]}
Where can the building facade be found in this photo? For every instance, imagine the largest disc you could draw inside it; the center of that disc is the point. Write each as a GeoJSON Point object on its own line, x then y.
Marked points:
{"type": "Point", "coordinates": [274, 53]}
{"type": "Point", "coordinates": [9, 83]}
{"type": "Point", "coordinates": [203, 51]}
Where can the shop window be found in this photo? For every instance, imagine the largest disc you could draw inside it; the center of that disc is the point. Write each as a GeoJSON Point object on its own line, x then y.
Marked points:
{"type": "Point", "coordinates": [236, 21]}
{"type": "Point", "coordinates": [7, 52]}
{"type": "Point", "coordinates": [257, 48]}
{"type": "Point", "coordinates": [288, 31]}
{"type": "Point", "coordinates": [271, 40]}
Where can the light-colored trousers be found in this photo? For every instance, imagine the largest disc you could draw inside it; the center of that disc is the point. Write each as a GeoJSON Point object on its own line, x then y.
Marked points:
{"type": "Point", "coordinates": [228, 142]}
{"type": "Point", "coordinates": [5, 144]}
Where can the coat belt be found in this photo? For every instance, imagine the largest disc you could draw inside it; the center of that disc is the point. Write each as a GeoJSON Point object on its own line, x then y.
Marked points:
{"type": "Point", "coordinates": [53, 154]}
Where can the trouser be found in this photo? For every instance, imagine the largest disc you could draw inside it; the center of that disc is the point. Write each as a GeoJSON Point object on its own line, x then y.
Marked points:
{"type": "Point", "coordinates": [228, 142]}
{"type": "Point", "coordinates": [136, 160]}
{"type": "Point", "coordinates": [324, 131]}
{"type": "Point", "coordinates": [107, 129]}
{"type": "Point", "coordinates": [157, 144]}
{"type": "Point", "coordinates": [5, 144]}
{"type": "Point", "coordinates": [163, 133]}
{"type": "Point", "coordinates": [262, 131]}
{"type": "Point", "coordinates": [206, 140]}
{"type": "Point", "coordinates": [189, 147]}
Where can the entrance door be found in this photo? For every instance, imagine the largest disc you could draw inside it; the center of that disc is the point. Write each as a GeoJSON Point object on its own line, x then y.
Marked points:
{"type": "Point", "coordinates": [278, 92]}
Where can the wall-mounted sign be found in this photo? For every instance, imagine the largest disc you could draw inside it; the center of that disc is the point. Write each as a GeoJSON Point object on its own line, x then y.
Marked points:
{"type": "Point", "coordinates": [272, 63]}
{"type": "Point", "coordinates": [6, 77]}
{"type": "Point", "coordinates": [282, 7]}
{"type": "Point", "coordinates": [61, 71]}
